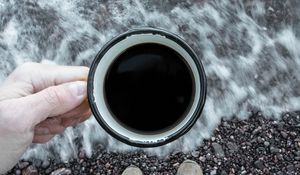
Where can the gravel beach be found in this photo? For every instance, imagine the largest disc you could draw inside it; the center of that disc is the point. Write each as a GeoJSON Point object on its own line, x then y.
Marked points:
{"type": "Point", "coordinates": [254, 146]}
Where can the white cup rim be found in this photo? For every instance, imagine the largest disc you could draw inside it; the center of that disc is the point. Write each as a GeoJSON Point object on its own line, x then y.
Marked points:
{"type": "Point", "coordinates": [104, 59]}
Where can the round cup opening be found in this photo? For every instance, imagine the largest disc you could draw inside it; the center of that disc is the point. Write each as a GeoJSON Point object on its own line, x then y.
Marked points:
{"type": "Point", "coordinates": [149, 88]}
{"type": "Point", "coordinates": [146, 87]}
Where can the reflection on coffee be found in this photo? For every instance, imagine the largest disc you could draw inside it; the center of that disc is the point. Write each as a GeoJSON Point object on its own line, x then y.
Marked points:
{"type": "Point", "coordinates": [149, 88]}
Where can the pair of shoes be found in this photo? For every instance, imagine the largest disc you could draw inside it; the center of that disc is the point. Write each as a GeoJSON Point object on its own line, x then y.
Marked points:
{"type": "Point", "coordinates": [188, 167]}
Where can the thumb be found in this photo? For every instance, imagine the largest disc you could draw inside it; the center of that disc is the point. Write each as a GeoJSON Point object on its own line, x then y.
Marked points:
{"type": "Point", "coordinates": [56, 100]}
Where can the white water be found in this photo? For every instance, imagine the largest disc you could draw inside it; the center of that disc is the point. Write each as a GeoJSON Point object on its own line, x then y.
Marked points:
{"type": "Point", "coordinates": [252, 60]}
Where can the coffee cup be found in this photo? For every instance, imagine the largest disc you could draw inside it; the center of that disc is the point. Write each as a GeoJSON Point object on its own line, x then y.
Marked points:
{"type": "Point", "coordinates": [146, 87]}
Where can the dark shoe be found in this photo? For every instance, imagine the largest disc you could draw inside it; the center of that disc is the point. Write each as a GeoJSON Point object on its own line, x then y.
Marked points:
{"type": "Point", "coordinates": [132, 170]}
{"type": "Point", "coordinates": [189, 167]}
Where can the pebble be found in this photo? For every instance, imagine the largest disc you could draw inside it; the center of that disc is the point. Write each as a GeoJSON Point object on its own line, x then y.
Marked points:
{"type": "Point", "coordinates": [232, 147]}
{"type": "Point", "coordinates": [279, 156]}
{"type": "Point", "coordinates": [218, 149]}
{"type": "Point", "coordinates": [48, 170]}
{"type": "Point", "coordinates": [23, 165]}
{"type": "Point", "coordinates": [81, 154]}
{"type": "Point", "coordinates": [18, 172]}
{"type": "Point", "coordinates": [176, 164]}
{"type": "Point", "coordinates": [259, 164]}
{"type": "Point", "coordinates": [274, 150]}
{"type": "Point", "coordinates": [202, 158]}
{"type": "Point", "coordinates": [266, 143]}
{"type": "Point", "coordinates": [284, 134]}
{"type": "Point", "coordinates": [290, 168]}
{"type": "Point", "coordinates": [195, 153]}
{"type": "Point", "coordinates": [38, 163]}
{"type": "Point", "coordinates": [223, 172]}
{"type": "Point", "coordinates": [152, 169]}
{"type": "Point", "coordinates": [270, 9]}
{"type": "Point", "coordinates": [280, 173]}
{"type": "Point", "coordinates": [62, 171]}
{"type": "Point", "coordinates": [256, 131]}
{"type": "Point", "coordinates": [30, 170]}
{"type": "Point", "coordinates": [46, 164]}
{"type": "Point", "coordinates": [280, 126]}
{"type": "Point", "coordinates": [107, 165]}
{"type": "Point", "coordinates": [213, 172]}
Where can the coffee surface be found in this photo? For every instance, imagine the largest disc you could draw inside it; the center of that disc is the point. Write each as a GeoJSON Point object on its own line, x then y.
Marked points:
{"type": "Point", "coordinates": [149, 88]}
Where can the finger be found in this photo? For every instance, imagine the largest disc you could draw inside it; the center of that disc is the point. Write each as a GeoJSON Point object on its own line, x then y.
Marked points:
{"type": "Point", "coordinates": [82, 108]}
{"type": "Point", "coordinates": [42, 138]}
{"type": "Point", "coordinates": [50, 121]}
{"type": "Point", "coordinates": [66, 122]}
{"type": "Point", "coordinates": [87, 116]}
{"type": "Point", "coordinates": [50, 129]}
{"type": "Point", "coordinates": [51, 75]}
{"type": "Point", "coordinates": [38, 130]}
{"type": "Point", "coordinates": [54, 101]}
{"type": "Point", "coordinates": [41, 76]}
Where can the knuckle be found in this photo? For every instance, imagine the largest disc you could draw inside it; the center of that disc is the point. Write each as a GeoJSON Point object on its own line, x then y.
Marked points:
{"type": "Point", "coordinates": [52, 97]}
{"type": "Point", "coordinates": [23, 69]}
{"type": "Point", "coordinates": [27, 66]}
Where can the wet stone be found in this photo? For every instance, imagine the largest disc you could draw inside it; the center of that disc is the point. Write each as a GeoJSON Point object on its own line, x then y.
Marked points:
{"type": "Point", "coordinates": [284, 134]}
{"type": "Point", "coordinates": [259, 164]}
{"type": "Point", "coordinates": [18, 172]}
{"type": "Point", "coordinates": [62, 171]}
{"type": "Point", "coordinates": [266, 143]}
{"type": "Point", "coordinates": [280, 126]}
{"type": "Point", "coordinates": [290, 168]}
{"type": "Point", "coordinates": [280, 173]}
{"type": "Point", "coordinates": [202, 158]}
{"type": "Point", "coordinates": [274, 150]}
{"type": "Point", "coordinates": [81, 154]}
{"type": "Point", "coordinates": [48, 170]}
{"type": "Point", "coordinates": [213, 172]}
{"type": "Point", "coordinates": [218, 149]}
{"type": "Point", "coordinates": [256, 131]}
{"type": "Point", "coordinates": [23, 165]}
{"type": "Point", "coordinates": [223, 172]}
{"type": "Point", "coordinates": [46, 164]}
{"type": "Point", "coordinates": [176, 164]}
{"type": "Point", "coordinates": [31, 170]}
{"type": "Point", "coordinates": [232, 147]}
{"type": "Point", "coordinates": [195, 153]}
{"type": "Point", "coordinates": [37, 163]}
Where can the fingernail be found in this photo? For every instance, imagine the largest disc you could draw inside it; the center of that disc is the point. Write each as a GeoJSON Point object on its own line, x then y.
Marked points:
{"type": "Point", "coordinates": [78, 88]}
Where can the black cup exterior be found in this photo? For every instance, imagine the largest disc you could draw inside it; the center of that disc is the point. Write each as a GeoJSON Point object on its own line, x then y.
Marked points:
{"type": "Point", "coordinates": [201, 100]}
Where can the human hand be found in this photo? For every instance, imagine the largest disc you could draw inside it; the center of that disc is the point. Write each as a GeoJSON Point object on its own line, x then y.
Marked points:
{"type": "Point", "coordinates": [37, 102]}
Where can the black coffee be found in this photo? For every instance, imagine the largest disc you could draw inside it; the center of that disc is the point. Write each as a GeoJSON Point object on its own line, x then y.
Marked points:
{"type": "Point", "coordinates": [149, 88]}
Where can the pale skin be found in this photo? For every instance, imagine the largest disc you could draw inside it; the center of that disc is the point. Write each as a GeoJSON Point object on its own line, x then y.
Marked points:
{"type": "Point", "coordinates": [38, 102]}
